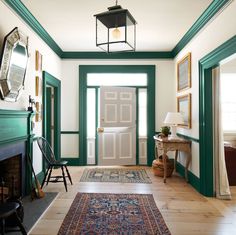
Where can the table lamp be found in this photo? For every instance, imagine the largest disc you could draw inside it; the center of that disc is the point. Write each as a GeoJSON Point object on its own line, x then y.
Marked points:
{"type": "Point", "coordinates": [173, 119]}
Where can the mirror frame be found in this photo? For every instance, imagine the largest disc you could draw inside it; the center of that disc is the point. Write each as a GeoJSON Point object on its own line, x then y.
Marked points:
{"type": "Point", "coordinates": [11, 40]}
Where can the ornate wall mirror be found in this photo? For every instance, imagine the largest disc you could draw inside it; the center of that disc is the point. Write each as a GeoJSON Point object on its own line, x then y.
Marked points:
{"type": "Point", "coordinates": [13, 65]}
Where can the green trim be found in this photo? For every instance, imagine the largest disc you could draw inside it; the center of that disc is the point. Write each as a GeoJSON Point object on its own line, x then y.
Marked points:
{"type": "Point", "coordinates": [31, 21]}
{"type": "Point", "coordinates": [49, 114]}
{"type": "Point", "coordinates": [205, 17]}
{"type": "Point", "coordinates": [84, 70]}
{"type": "Point", "coordinates": [70, 132]}
{"type": "Point", "coordinates": [188, 137]}
{"type": "Point", "coordinates": [49, 80]}
{"type": "Point", "coordinates": [121, 55]}
{"type": "Point", "coordinates": [71, 161]}
{"type": "Point", "coordinates": [193, 179]}
{"type": "Point", "coordinates": [206, 64]}
{"type": "Point", "coordinates": [14, 126]}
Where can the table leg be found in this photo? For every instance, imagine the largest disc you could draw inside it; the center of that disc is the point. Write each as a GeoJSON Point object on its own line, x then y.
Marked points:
{"type": "Point", "coordinates": [164, 165]}
{"type": "Point", "coordinates": [176, 157]}
{"type": "Point", "coordinates": [188, 160]}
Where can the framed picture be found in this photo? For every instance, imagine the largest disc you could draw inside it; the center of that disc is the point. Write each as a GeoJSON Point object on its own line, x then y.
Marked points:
{"type": "Point", "coordinates": [184, 73]}
{"type": "Point", "coordinates": [38, 112]}
{"type": "Point", "coordinates": [184, 107]}
{"type": "Point", "coordinates": [38, 61]}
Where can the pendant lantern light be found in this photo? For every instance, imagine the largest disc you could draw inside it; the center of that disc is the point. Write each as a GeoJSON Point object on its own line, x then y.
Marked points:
{"type": "Point", "coordinates": [116, 30]}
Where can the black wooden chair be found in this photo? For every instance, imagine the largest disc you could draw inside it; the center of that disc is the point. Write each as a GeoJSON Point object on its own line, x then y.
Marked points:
{"type": "Point", "coordinates": [7, 210]}
{"type": "Point", "coordinates": [52, 163]}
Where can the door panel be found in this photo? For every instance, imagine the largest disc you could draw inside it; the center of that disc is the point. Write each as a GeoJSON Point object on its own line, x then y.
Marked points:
{"type": "Point", "coordinates": [117, 141]}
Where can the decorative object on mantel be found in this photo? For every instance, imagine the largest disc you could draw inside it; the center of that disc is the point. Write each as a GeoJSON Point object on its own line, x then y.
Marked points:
{"type": "Point", "coordinates": [184, 73]}
{"type": "Point", "coordinates": [13, 65]}
{"type": "Point", "coordinates": [116, 30]}
{"type": "Point", "coordinates": [31, 104]}
{"type": "Point", "coordinates": [174, 119]}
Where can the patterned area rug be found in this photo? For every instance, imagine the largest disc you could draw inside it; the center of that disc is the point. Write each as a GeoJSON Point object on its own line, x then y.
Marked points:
{"type": "Point", "coordinates": [116, 214]}
{"type": "Point", "coordinates": [120, 175]}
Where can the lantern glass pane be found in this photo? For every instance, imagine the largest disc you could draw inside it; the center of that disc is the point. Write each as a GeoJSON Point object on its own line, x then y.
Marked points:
{"type": "Point", "coordinates": [117, 34]}
{"type": "Point", "coordinates": [130, 32]}
{"type": "Point", "coordinates": [102, 35]}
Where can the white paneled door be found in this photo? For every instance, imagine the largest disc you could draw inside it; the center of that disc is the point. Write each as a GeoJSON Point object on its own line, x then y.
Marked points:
{"type": "Point", "coordinates": [117, 131]}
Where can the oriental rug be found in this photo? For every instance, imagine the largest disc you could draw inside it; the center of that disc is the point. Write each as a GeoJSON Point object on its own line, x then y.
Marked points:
{"type": "Point", "coordinates": [117, 175]}
{"type": "Point", "coordinates": [113, 214]}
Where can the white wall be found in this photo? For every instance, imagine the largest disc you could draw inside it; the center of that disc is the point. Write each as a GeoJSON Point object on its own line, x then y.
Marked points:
{"type": "Point", "coordinates": [165, 92]}
{"type": "Point", "coordinates": [51, 64]}
{"type": "Point", "coordinates": [219, 30]}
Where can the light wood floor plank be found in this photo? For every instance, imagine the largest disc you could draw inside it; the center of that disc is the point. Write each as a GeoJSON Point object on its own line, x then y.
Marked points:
{"type": "Point", "coordinates": [185, 211]}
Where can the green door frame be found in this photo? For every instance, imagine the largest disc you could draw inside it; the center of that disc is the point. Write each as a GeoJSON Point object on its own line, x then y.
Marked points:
{"type": "Point", "coordinates": [84, 70]}
{"type": "Point", "coordinates": [206, 64]}
{"type": "Point", "coordinates": [49, 80]}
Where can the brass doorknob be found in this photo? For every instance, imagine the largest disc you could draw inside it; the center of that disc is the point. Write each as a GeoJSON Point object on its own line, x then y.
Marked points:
{"type": "Point", "coordinates": [100, 129]}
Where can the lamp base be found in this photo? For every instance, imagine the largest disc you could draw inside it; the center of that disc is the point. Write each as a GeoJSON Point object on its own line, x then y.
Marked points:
{"type": "Point", "coordinates": [173, 133]}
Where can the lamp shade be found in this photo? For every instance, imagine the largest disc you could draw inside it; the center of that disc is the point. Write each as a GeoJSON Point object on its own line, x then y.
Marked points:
{"type": "Point", "coordinates": [174, 118]}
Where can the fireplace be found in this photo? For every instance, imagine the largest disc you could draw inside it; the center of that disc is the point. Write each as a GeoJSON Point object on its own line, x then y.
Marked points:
{"type": "Point", "coordinates": [13, 168]}
{"type": "Point", "coordinates": [16, 140]}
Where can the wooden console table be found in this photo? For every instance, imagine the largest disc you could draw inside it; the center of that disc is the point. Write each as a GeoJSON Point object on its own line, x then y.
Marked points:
{"type": "Point", "coordinates": [167, 144]}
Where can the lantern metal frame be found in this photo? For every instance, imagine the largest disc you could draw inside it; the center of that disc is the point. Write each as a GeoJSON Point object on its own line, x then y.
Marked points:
{"type": "Point", "coordinates": [116, 18]}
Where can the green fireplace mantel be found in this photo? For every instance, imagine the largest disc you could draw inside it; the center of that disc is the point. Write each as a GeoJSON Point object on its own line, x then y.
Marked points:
{"type": "Point", "coordinates": [15, 125]}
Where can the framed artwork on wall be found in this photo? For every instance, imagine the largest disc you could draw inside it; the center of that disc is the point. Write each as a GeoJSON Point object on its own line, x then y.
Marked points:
{"type": "Point", "coordinates": [184, 107]}
{"type": "Point", "coordinates": [38, 61]}
{"type": "Point", "coordinates": [184, 73]}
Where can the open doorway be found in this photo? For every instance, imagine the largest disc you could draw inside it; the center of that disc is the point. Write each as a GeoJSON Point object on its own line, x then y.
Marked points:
{"type": "Point", "coordinates": [52, 111]}
{"type": "Point", "coordinates": [92, 78]}
{"type": "Point", "coordinates": [228, 104]}
{"type": "Point", "coordinates": [206, 65]}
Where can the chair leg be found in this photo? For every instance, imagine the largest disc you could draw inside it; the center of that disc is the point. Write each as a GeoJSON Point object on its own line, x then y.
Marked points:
{"type": "Point", "coordinates": [68, 175]}
{"type": "Point", "coordinates": [45, 177]}
{"type": "Point", "coordinates": [64, 177]}
{"type": "Point", "coordinates": [49, 175]}
{"type": "Point", "coordinates": [2, 226]}
{"type": "Point", "coordinates": [21, 226]}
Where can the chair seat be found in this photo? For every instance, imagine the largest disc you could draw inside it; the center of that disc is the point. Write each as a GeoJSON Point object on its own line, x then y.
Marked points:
{"type": "Point", "coordinates": [59, 163]}
{"type": "Point", "coordinates": [8, 209]}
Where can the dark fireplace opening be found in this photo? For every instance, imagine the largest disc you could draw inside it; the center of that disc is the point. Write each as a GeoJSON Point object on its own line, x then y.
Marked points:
{"type": "Point", "coordinates": [13, 170]}
{"type": "Point", "coordinates": [11, 177]}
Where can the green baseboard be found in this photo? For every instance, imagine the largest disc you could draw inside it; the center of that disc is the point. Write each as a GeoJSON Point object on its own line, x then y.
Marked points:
{"type": "Point", "coordinates": [193, 179]}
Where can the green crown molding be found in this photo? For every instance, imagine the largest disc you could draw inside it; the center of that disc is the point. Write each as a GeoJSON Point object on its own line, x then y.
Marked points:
{"type": "Point", "coordinates": [30, 20]}
{"type": "Point", "coordinates": [206, 16]}
{"type": "Point", "coordinates": [121, 55]}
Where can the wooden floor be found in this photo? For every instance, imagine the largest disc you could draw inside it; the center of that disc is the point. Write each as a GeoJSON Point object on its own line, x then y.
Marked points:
{"type": "Point", "coordinates": [185, 211]}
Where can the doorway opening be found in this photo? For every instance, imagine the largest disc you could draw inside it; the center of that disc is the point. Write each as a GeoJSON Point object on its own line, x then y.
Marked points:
{"type": "Point", "coordinates": [52, 111]}
{"type": "Point", "coordinates": [126, 129]}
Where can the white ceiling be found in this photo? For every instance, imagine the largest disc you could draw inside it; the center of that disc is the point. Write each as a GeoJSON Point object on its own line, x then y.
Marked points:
{"type": "Point", "coordinates": [161, 23]}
